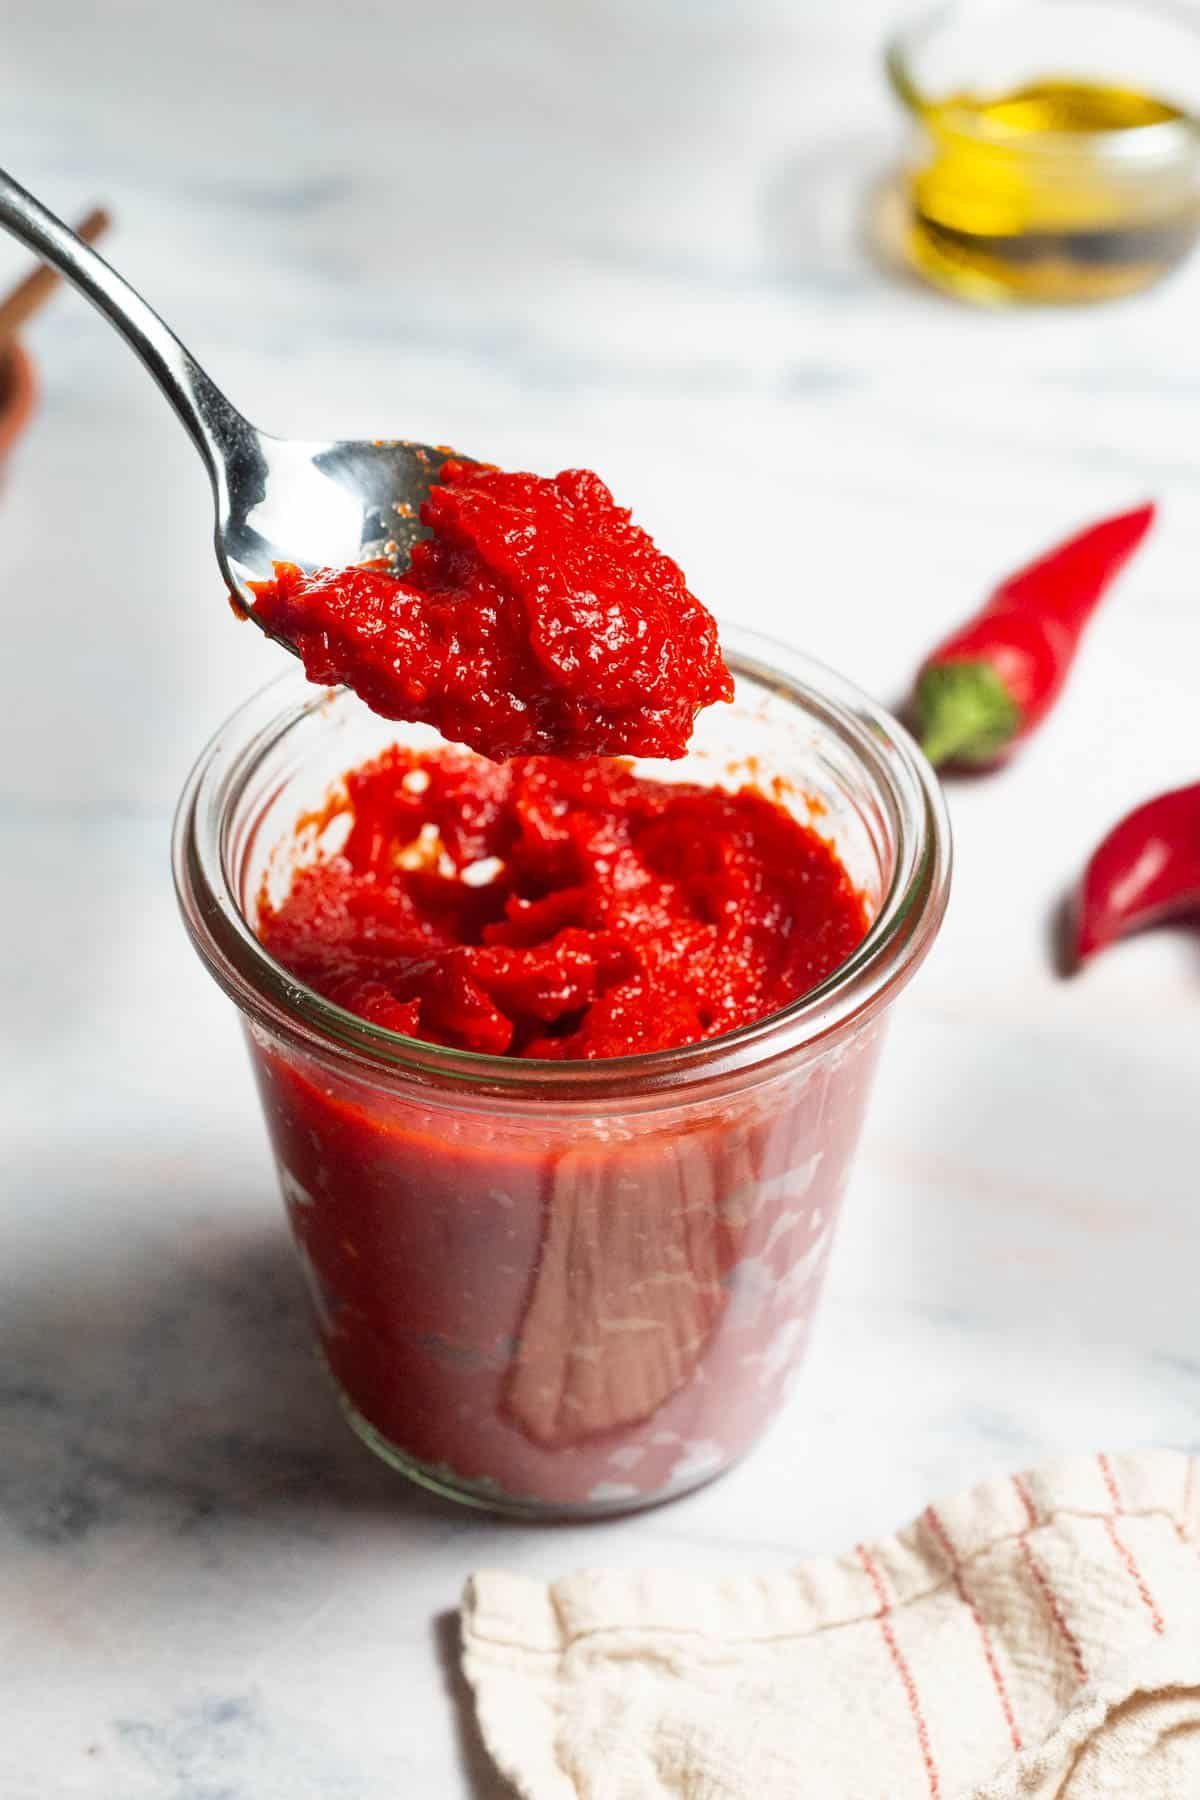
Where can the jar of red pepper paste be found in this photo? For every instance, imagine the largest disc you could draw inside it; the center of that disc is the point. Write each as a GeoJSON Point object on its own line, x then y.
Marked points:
{"type": "Point", "coordinates": [568, 1288]}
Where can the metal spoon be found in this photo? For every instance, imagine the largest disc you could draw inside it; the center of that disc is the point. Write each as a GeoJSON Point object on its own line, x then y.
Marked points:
{"type": "Point", "coordinates": [276, 498]}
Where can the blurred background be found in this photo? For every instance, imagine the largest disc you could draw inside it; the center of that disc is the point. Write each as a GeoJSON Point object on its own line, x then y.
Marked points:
{"type": "Point", "coordinates": [631, 236]}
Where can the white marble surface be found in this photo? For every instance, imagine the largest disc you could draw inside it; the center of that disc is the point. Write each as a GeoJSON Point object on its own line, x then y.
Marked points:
{"type": "Point", "coordinates": [617, 233]}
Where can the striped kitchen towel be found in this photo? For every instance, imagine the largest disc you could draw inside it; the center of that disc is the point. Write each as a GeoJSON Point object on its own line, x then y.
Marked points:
{"type": "Point", "coordinates": [1038, 1636]}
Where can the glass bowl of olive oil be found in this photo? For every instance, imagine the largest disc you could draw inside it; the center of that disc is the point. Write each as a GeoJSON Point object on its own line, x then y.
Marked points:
{"type": "Point", "coordinates": [1055, 146]}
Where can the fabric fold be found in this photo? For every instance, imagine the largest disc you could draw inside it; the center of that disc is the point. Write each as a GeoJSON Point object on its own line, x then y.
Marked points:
{"type": "Point", "coordinates": [1035, 1637]}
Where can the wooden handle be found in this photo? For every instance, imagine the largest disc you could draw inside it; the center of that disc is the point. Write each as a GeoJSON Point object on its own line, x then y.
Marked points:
{"type": "Point", "coordinates": [32, 293]}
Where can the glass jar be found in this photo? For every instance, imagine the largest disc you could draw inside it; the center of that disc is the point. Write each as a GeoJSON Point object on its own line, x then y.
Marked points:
{"type": "Point", "coordinates": [1055, 149]}
{"type": "Point", "coordinates": [568, 1288]}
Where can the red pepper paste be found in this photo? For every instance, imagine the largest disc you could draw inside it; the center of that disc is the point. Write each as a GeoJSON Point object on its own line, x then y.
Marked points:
{"type": "Point", "coordinates": [567, 1306]}
{"type": "Point", "coordinates": [535, 619]}
{"type": "Point", "coordinates": [547, 908]}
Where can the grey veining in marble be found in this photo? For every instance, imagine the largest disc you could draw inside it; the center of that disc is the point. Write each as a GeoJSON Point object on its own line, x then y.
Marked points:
{"type": "Point", "coordinates": [616, 233]}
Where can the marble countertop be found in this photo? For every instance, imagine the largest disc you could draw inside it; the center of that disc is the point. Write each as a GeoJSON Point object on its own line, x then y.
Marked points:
{"type": "Point", "coordinates": [626, 235]}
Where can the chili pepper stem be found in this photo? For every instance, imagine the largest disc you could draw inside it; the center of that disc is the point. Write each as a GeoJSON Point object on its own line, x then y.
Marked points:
{"type": "Point", "coordinates": [964, 713]}
{"type": "Point", "coordinates": [994, 680]}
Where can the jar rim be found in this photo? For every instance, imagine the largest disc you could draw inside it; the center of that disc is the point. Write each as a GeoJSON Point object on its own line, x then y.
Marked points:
{"type": "Point", "coordinates": [1162, 139]}
{"type": "Point", "coordinates": [902, 930]}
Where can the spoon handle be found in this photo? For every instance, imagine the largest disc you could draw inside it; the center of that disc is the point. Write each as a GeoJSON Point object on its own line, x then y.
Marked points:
{"type": "Point", "coordinates": [217, 429]}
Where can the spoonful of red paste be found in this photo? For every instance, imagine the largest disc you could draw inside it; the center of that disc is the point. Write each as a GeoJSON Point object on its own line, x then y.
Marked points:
{"type": "Point", "coordinates": [535, 618]}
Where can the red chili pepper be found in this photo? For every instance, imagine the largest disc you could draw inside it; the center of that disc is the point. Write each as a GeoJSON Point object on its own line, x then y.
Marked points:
{"type": "Point", "coordinates": [995, 679]}
{"type": "Point", "coordinates": [1146, 870]}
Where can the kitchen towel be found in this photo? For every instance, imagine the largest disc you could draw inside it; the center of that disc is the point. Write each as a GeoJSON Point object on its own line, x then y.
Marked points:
{"type": "Point", "coordinates": [1037, 1636]}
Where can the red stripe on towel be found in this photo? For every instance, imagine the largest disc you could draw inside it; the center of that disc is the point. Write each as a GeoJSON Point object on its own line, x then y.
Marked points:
{"type": "Point", "coordinates": [1135, 1574]}
{"type": "Point", "coordinates": [1053, 1608]}
{"type": "Point", "coordinates": [943, 1538]}
{"type": "Point", "coordinates": [1122, 1548]}
{"type": "Point", "coordinates": [1026, 1500]}
{"type": "Point", "coordinates": [902, 1669]}
{"type": "Point", "coordinates": [1110, 1481]}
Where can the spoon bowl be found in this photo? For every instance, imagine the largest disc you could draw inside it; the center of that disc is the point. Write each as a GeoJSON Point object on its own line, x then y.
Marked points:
{"type": "Point", "coordinates": [276, 499]}
{"type": "Point", "coordinates": [319, 505]}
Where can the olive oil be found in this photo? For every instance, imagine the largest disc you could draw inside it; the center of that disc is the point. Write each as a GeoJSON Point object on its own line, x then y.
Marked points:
{"type": "Point", "coordinates": [1056, 190]}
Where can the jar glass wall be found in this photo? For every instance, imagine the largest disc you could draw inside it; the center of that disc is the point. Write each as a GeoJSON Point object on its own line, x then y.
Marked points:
{"type": "Point", "coordinates": [568, 1288]}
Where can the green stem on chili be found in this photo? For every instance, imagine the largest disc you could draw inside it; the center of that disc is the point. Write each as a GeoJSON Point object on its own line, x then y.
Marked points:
{"type": "Point", "coordinates": [992, 682]}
